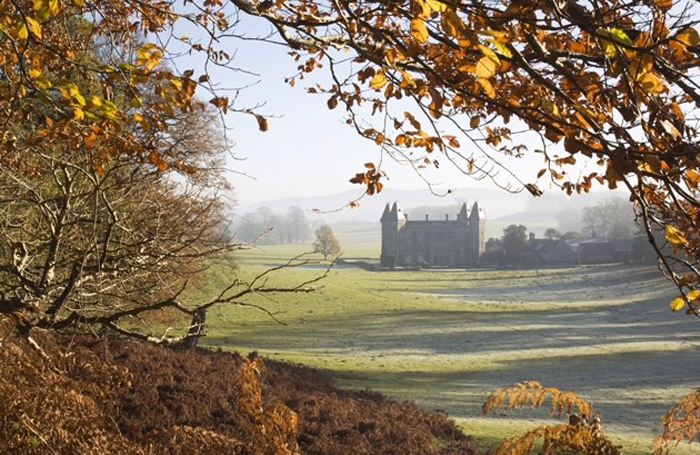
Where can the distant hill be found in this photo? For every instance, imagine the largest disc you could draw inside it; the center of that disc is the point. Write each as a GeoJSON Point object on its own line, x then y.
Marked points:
{"type": "Point", "coordinates": [496, 203]}
{"type": "Point", "coordinates": [500, 207]}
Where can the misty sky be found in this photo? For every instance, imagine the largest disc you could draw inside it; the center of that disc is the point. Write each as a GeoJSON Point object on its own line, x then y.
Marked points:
{"type": "Point", "coordinates": [309, 150]}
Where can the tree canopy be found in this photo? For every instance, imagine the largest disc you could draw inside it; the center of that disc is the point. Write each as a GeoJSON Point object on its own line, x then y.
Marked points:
{"type": "Point", "coordinates": [603, 92]}
{"type": "Point", "coordinates": [326, 242]}
{"type": "Point", "coordinates": [514, 241]}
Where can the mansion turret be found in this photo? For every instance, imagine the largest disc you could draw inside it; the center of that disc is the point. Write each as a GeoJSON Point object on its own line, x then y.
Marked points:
{"type": "Point", "coordinates": [458, 242]}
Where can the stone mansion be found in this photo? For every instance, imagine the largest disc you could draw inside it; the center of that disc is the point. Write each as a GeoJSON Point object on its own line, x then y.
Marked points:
{"type": "Point", "coordinates": [457, 243]}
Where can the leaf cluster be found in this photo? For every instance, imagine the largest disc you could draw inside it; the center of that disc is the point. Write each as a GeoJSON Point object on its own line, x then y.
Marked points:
{"type": "Point", "coordinates": [581, 435]}
{"type": "Point", "coordinates": [534, 394]}
{"type": "Point", "coordinates": [681, 423]}
{"type": "Point", "coordinates": [603, 92]}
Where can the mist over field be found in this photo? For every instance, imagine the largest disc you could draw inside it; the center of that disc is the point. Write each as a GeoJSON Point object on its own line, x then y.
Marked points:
{"type": "Point", "coordinates": [551, 210]}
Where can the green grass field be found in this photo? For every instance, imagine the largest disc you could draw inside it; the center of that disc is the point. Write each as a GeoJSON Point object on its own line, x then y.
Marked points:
{"type": "Point", "coordinates": [446, 339]}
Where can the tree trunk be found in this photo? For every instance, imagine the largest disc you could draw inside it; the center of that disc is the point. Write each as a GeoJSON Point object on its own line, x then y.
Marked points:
{"type": "Point", "coordinates": [197, 329]}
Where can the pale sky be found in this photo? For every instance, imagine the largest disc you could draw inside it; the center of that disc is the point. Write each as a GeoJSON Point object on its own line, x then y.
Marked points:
{"type": "Point", "coordinates": [309, 150]}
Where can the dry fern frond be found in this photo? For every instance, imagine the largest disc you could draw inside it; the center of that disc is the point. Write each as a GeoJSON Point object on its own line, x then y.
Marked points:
{"type": "Point", "coordinates": [274, 430]}
{"type": "Point", "coordinates": [582, 435]}
{"type": "Point", "coordinates": [563, 439]}
{"type": "Point", "coordinates": [682, 422]}
{"type": "Point", "coordinates": [535, 394]}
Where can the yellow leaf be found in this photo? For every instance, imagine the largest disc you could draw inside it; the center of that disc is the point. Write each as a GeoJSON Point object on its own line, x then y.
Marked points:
{"type": "Point", "coordinates": [616, 36]}
{"type": "Point", "coordinates": [419, 31]}
{"type": "Point", "coordinates": [23, 32]}
{"type": "Point", "coordinates": [488, 88]}
{"type": "Point", "coordinates": [42, 9]}
{"type": "Point", "coordinates": [436, 5]}
{"type": "Point", "coordinates": [139, 118]}
{"type": "Point", "coordinates": [645, 167]}
{"type": "Point", "coordinates": [609, 48]}
{"type": "Point", "coordinates": [35, 72]}
{"type": "Point", "coordinates": [451, 23]}
{"type": "Point", "coordinates": [652, 83]}
{"type": "Point", "coordinates": [43, 83]}
{"type": "Point", "coordinates": [407, 81]}
{"type": "Point", "coordinates": [34, 26]}
{"type": "Point", "coordinates": [678, 304]}
{"type": "Point", "coordinates": [502, 48]}
{"type": "Point", "coordinates": [379, 81]}
{"type": "Point", "coordinates": [674, 236]}
{"type": "Point", "coordinates": [620, 36]}
{"type": "Point", "coordinates": [694, 295]}
{"type": "Point", "coordinates": [78, 114]}
{"type": "Point", "coordinates": [488, 52]}
{"type": "Point", "coordinates": [689, 37]}
{"type": "Point", "coordinates": [495, 33]}
{"type": "Point", "coordinates": [54, 7]}
{"type": "Point", "coordinates": [486, 67]}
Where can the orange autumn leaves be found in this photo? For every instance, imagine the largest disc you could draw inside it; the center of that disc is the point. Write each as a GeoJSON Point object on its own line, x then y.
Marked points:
{"type": "Point", "coordinates": [102, 84]}
{"type": "Point", "coordinates": [600, 83]}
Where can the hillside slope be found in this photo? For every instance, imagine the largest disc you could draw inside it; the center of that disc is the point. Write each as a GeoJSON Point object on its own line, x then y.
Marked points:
{"type": "Point", "coordinates": [124, 397]}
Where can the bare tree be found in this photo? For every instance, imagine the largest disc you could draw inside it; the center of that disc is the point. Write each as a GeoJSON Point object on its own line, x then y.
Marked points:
{"type": "Point", "coordinates": [113, 242]}
{"type": "Point", "coordinates": [591, 221]}
{"type": "Point", "coordinates": [613, 217]}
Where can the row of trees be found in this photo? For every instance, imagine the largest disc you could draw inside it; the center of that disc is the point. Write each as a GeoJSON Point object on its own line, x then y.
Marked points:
{"type": "Point", "coordinates": [266, 227]}
{"type": "Point", "coordinates": [612, 218]}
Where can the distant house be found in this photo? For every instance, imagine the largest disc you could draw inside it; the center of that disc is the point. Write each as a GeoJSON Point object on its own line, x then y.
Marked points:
{"type": "Point", "coordinates": [622, 248]}
{"type": "Point", "coordinates": [644, 252]}
{"type": "Point", "coordinates": [602, 250]}
{"type": "Point", "coordinates": [549, 251]}
{"type": "Point", "coordinates": [493, 254]}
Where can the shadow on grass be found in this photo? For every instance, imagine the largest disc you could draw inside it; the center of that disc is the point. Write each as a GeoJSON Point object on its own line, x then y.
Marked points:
{"type": "Point", "coordinates": [633, 360]}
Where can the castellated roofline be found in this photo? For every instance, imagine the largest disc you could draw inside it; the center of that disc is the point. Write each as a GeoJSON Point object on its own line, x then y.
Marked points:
{"type": "Point", "coordinates": [463, 214]}
{"type": "Point", "coordinates": [386, 215]}
{"type": "Point", "coordinates": [444, 243]}
{"type": "Point", "coordinates": [393, 212]}
{"type": "Point", "coordinates": [477, 213]}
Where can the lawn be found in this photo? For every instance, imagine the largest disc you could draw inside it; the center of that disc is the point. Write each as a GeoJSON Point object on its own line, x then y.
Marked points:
{"type": "Point", "coordinates": [446, 339]}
